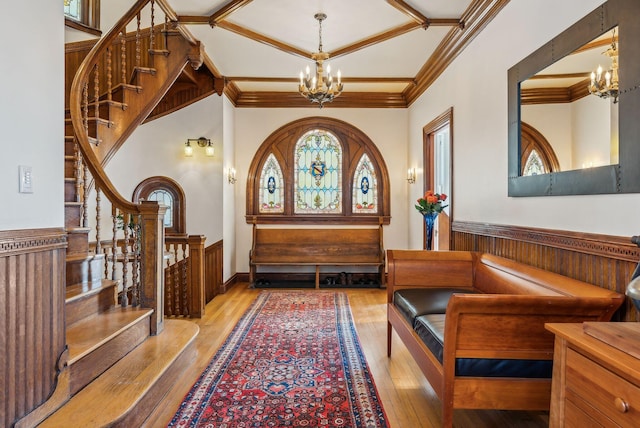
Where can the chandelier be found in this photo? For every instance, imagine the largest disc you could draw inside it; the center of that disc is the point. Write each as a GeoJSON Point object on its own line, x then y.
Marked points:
{"type": "Point", "coordinates": [320, 88]}
{"type": "Point", "coordinates": [606, 85]}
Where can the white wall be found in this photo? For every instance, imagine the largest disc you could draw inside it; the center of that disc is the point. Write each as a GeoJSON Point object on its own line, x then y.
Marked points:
{"type": "Point", "coordinates": [31, 114]}
{"type": "Point", "coordinates": [387, 128]}
{"type": "Point", "coordinates": [476, 86]}
{"type": "Point", "coordinates": [229, 217]}
{"type": "Point", "coordinates": [156, 148]}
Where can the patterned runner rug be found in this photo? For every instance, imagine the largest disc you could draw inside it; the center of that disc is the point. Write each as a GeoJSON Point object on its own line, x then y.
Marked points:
{"type": "Point", "coordinates": [293, 359]}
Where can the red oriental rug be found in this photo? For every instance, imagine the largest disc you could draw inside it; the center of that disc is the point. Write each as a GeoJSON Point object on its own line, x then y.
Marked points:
{"type": "Point", "coordinates": [293, 359]}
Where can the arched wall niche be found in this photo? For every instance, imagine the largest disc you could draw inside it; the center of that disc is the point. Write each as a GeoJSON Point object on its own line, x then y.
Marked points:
{"type": "Point", "coordinates": [282, 142]}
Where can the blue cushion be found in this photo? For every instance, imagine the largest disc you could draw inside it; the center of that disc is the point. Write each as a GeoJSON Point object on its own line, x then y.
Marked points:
{"type": "Point", "coordinates": [430, 328]}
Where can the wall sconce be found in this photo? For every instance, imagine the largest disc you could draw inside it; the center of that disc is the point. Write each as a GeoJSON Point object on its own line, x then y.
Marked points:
{"type": "Point", "coordinates": [231, 176]}
{"type": "Point", "coordinates": [411, 175]}
{"type": "Point", "coordinates": [201, 142]}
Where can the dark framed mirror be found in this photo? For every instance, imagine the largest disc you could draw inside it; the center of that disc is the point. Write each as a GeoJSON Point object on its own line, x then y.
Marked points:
{"type": "Point", "coordinates": [621, 174]}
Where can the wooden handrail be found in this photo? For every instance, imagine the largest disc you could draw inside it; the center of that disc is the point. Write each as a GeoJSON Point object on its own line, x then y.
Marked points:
{"type": "Point", "coordinates": [75, 104]}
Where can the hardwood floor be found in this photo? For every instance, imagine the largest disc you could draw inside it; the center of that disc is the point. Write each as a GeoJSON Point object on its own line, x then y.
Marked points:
{"type": "Point", "coordinates": [407, 397]}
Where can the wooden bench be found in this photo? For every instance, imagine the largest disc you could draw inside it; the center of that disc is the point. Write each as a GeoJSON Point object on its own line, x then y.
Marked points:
{"type": "Point", "coordinates": [317, 247]}
{"type": "Point", "coordinates": [474, 324]}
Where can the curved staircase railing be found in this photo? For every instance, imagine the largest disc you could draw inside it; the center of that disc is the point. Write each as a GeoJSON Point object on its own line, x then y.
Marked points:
{"type": "Point", "coordinates": [103, 114]}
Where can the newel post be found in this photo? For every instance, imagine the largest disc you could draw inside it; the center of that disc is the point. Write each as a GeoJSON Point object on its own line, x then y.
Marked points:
{"type": "Point", "coordinates": [152, 272]}
{"type": "Point", "coordinates": [196, 273]}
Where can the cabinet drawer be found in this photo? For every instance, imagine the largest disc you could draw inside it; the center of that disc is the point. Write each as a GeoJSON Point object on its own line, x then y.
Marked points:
{"type": "Point", "coordinates": [576, 416]}
{"type": "Point", "coordinates": [603, 390]}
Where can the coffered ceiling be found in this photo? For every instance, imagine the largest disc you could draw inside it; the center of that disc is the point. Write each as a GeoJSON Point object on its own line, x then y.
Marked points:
{"type": "Point", "coordinates": [388, 51]}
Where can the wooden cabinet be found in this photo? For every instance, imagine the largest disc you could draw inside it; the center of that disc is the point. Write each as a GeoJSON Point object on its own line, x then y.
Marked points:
{"type": "Point", "coordinates": [596, 375]}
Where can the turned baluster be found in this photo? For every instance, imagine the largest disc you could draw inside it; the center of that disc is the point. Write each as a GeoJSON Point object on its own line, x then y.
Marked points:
{"type": "Point", "coordinates": [85, 195]}
{"type": "Point", "coordinates": [138, 40]}
{"type": "Point", "coordinates": [114, 243]}
{"type": "Point", "coordinates": [77, 172]}
{"type": "Point", "coordinates": [176, 281]}
{"type": "Point", "coordinates": [152, 30]}
{"type": "Point", "coordinates": [168, 283]}
{"type": "Point", "coordinates": [96, 96]}
{"type": "Point", "coordinates": [135, 248]}
{"type": "Point", "coordinates": [123, 55]}
{"type": "Point", "coordinates": [183, 281]}
{"type": "Point", "coordinates": [109, 72]}
{"type": "Point", "coordinates": [98, 199]}
{"type": "Point", "coordinates": [85, 107]}
{"type": "Point", "coordinates": [125, 259]}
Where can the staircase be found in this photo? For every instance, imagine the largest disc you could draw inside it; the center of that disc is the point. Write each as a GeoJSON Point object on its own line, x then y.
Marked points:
{"type": "Point", "coordinates": [122, 355]}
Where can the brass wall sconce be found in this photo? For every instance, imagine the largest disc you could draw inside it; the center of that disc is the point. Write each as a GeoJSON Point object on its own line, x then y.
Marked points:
{"type": "Point", "coordinates": [411, 175]}
{"type": "Point", "coordinates": [201, 142]}
{"type": "Point", "coordinates": [231, 176]}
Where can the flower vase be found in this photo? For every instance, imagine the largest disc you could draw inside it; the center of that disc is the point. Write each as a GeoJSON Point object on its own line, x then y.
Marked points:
{"type": "Point", "coordinates": [429, 221]}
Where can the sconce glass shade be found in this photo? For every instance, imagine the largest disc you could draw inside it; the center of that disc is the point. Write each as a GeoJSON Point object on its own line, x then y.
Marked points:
{"type": "Point", "coordinates": [201, 142]}
{"type": "Point", "coordinates": [188, 150]}
{"type": "Point", "coordinates": [209, 150]}
{"type": "Point", "coordinates": [231, 176]}
{"type": "Point", "coordinates": [411, 175]}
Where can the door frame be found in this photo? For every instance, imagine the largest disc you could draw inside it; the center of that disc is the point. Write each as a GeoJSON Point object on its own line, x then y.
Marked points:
{"type": "Point", "coordinates": [428, 154]}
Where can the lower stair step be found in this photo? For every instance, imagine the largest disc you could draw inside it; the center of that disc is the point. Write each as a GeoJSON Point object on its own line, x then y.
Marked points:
{"type": "Point", "coordinates": [97, 342]}
{"type": "Point", "coordinates": [127, 393]}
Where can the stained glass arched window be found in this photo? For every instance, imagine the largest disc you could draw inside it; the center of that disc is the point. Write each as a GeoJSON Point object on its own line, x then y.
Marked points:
{"type": "Point", "coordinates": [318, 170]}
{"type": "Point", "coordinates": [271, 187]}
{"type": "Point", "coordinates": [318, 174]}
{"type": "Point", "coordinates": [534, 164]}
{"type": "Point", "coordinates": [365, 187]}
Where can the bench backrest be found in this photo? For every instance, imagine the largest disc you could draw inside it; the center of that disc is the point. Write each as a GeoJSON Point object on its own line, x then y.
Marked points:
{"type": "Point", "coordinates": [498, 275]}
{"type": "Point", "coordinates": [317, 246]}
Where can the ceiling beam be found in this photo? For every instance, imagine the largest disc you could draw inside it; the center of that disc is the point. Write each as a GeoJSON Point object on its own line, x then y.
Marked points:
{"type": "Point", "coordinates": [421, 19]}
{"type": "Point", "coordinates": [294, 99]}
{"type": "Point", "coordinates": [263, 39]}
{"type": "Point", "coordinates": [370, 41]}
{"type": "Point", "coordinates": [227, 10]}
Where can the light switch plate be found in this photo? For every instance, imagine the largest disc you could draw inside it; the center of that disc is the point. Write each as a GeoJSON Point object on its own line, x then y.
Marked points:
{"type": "Point", "coordinates": [25, 179]}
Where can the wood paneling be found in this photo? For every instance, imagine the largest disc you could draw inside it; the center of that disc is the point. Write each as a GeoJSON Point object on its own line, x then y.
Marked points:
{"type": "Point", "coordinates": [213, 271]}
{"type": "Point", "coordinates": [32, 334]}
{"type": "Point", "coordinates": [604, 260]}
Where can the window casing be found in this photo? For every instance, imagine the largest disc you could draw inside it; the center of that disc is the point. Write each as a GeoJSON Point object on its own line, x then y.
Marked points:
{"type": "Point", "coordinates": [83, 15]}
{"type": "Point", "coordinates": [166, 192]}
{"type": "Point", "coordinates": [319, 171]}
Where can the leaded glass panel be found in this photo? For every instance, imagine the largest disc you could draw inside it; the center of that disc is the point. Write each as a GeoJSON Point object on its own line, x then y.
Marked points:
{"type": "Point", "coordinates": [534, 164]}
{"type": "Point", "coordinates": [164, 198]}
{"type": "Point", "coordinates": [318, 174]}
{"type": "Point", "coordinates": [72, 9]}
{"type": "Point", "coordinates": [271, 187]}
{"type": "Point", "coordinates": [365, 187]}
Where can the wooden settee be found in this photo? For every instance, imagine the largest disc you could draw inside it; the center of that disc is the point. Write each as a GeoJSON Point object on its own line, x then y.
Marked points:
{"type": "Point", "coordinates": [480, 339]}
{"type": "Point", "coordinates": [317, 247]}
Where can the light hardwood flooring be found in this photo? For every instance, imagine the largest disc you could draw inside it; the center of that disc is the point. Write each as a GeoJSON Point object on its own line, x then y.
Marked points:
{"type": "Point", "coordinates": [407, 397]}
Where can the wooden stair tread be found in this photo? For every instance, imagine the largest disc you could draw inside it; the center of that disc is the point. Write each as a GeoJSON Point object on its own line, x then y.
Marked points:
{"type": "Point", "coordinates": [117, 391]}
{"type": "Point", "coordinates": [78, 291]}
{"type": "Point", "coordinates": [89, 333]}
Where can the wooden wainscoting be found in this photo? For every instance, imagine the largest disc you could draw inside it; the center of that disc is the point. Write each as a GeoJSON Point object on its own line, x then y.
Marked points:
{"type": "Point", "coordinates": [604, 260]}
{"type": "Point", "coordinates": [213, 271]}
{"type": "Point", "coordinates": [32, 331]}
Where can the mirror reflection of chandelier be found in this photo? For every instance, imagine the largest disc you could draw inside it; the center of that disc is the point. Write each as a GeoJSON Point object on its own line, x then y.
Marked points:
{"type": "Point", "coordinates": [320, 88]}
{"type": "Point", "coordinates": [606, 85]}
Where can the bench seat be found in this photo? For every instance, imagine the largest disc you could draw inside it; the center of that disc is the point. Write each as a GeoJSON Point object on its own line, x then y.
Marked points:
{"type": "Point", "coordinates": [474, 324]}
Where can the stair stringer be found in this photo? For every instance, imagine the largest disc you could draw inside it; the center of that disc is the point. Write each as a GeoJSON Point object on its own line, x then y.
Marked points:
{"type": "Point", "coordinates": [168, 66]}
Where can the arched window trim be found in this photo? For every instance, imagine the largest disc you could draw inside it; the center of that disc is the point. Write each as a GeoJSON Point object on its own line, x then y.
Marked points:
{"type": "Point", "coordinates": [282, 143]}
{"type": "Point", "coordinates": [532, 139]}
{"type": "Point", "coordinates": [149, 185]}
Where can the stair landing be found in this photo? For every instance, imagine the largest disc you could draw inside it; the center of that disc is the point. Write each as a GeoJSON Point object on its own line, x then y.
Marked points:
{"type": "Point", "coordinates": [126, 394]}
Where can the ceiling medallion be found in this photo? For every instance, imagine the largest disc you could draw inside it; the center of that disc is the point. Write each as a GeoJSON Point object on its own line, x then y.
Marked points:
{"type": "Point", "coordinates": [320, 88]}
